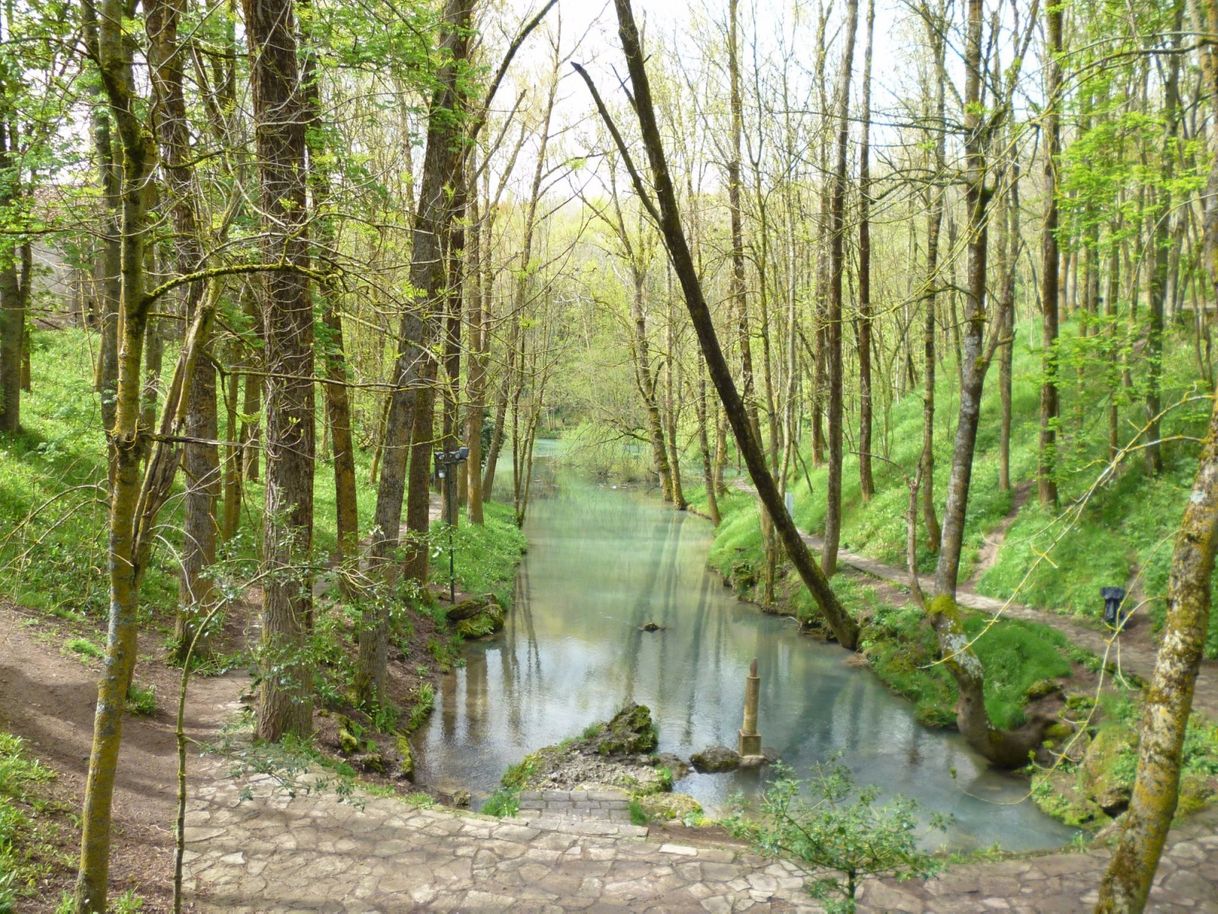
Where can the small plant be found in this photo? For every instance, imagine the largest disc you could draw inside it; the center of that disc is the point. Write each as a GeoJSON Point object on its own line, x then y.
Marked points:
{"type": "Point", "coordinates": [128, 903]}
{"type": "Point", "coordinates": [141, 700]}
{"type": "Point", "coordinates": [424, 702]}
{"type": "Point", "coordinates": [503, 802]}
{"type": "Point", "coordinates": [84, 648]}
{"type": "Point", "coordinates": [638, 815]}
{"type": "Point", "coordinates": [829, 825]}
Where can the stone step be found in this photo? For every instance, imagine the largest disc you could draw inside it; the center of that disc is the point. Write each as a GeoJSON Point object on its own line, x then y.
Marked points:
{"type": "Point", "coordinates": [596, 805]}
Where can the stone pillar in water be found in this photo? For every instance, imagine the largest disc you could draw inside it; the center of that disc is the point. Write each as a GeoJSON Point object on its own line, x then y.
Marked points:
{"type": "Point", "coordinates": [750, 739]}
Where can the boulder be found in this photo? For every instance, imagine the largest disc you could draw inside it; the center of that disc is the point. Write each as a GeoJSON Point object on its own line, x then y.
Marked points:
{"type": "Point", "coordinates": [630, 732]}
{"type": "Point", "coordinates": [665, 806]}
{"type": "Point", "coordinates": [715, 759]}
{"type": "Point", "coordinates": [1101, 767]}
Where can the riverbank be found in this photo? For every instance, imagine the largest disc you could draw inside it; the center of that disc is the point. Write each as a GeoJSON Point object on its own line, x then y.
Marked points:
{"type": "Point", "coordinates": [1083, 773]}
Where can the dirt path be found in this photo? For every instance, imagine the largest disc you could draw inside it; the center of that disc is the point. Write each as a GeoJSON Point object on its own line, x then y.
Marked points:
{"type": "Point", "coordinates": [47, 697]}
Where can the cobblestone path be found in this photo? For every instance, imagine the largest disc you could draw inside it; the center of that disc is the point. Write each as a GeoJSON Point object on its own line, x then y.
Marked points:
{"type": "Point", "coordinates": [314, 854]}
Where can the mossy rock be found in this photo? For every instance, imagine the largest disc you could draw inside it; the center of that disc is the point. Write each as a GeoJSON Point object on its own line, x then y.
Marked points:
{"type": "Point", "coordinates": [744, 576]}
{"type": "Point", "coordinates": [1057, 793]}
{"type": "Point", "coordinates": [482, 624]}
{"type": "Point", "coordinates": [407, 753]}
{"type": "Point", "coordinates": [666, 806]}
{"type": "Point", "coordinates": [630, 732]}
{"type": "Point", "coordinates": [1195, 792]}
{"type": "Point", "coordinates": [1105, 778]}
{"type": "Point", "coordinates": [348, 742]}
{"type": "Point", "coordinates": [1042, 688]}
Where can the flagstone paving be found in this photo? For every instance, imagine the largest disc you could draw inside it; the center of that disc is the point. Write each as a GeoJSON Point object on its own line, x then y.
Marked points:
{"type": "Point", "coordinates": [313, 853]}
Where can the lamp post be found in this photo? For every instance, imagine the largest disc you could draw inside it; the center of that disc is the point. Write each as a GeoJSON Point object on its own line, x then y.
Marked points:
{"type": "Point", "coordinates": [445, 463]}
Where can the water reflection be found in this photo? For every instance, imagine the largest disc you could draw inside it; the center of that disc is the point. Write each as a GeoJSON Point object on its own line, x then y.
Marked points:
{"type": "Point", "coordinates": [601, 563]}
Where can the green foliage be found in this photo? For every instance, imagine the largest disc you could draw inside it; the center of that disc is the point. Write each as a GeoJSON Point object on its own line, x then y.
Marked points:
{"type": "Point", "coordinates": [503, 802]}
{"type": "Point", "coordinates": [141, 699]}
{"type": "Point", "coordinates": [424, 702]}
{"type": "Point", "coordinates": [85, 649]}
{"type": "Point", "coordinates": [638, 815]}
{"type": "Point", "coordinates": [828, 824]}
{"type": "Point", "coordinates": [25, 852]}
{"type": "Point", "coordinates": [1019, 657]}
{"type": "Point", "coordinates": [486, 556]}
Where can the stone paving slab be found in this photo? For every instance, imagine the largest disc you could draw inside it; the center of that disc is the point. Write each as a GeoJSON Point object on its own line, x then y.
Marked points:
{"type": "Point", "coordinates": [312, 853]}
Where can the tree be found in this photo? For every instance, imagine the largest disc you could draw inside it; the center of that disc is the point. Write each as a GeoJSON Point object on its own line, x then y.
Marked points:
{"type": "Point", "coordinates": [668, 218]}
{"type": "Point", "coordinates": [837, 231]}
{"type": "Point", "coordinates": [285, 693]}
{"type": "Point", "coordinates": [409, 414]}
{"type": "Point", "coordinates": [866, 482]}
{"type": "Point", "coordinates": [1046, 482]}
{"type": "Point", "coordinates": [1127, 880]}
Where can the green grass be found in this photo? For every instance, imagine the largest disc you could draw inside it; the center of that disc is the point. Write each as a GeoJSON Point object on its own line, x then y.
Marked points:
{"type": "Point", "coordinates": [487, 556]}
{"type": "Point", "coordinates": [503, 802]}
{"type": "Point", "coordinates": [84, 648]}
{"type": "Point", "coordinates": [26, 851]}
{"type": "Point", "coordinates": [1053, 560]}
{"type": "Point", "coordinates": [141, 699]}
{"type": "Point", "coordinates": [1018, 657]}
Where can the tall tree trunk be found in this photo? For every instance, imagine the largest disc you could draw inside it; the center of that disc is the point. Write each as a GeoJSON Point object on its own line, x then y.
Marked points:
{"type": "Point", "coordinates": [108, 269]}
{"type": "Point", "coordinates": [934, 226]}
{"type": "Point", "coordinates": [114, 54]}
{"type": "Point", "coordinates": [12, 299]}
{"type": "Point", "coordinates": [866, 482]}
{"type": "Point", "coordinates": [669, 220]}
{"type": "Point", "coordinates": [1002, 747]}
{"type": "Point", "coordinates": [477, 308]}
{"type": "Point", "coordinates": [1006, 351]}
{"type": "Point", "coordinates": [1130, 874]}
{"type": "Point", "coordinates": [200, 458]}
{"type": "Point", "coordinates": [408, 406]}
{"type": "Point", "coordinates": [1046, 479]}
{"type": "Point", "coordinates": [837, 231]}
{"type": "Point", "coordinates": [1160, 283]}
{"type": "Point", "coordinates": [708, 462]}
{"type": "Point", "coordinates": [334, 358]}
{"type": "Point", "coordinates": [738, 295]}
{"type": "Point", "coordinates": [285, 697]}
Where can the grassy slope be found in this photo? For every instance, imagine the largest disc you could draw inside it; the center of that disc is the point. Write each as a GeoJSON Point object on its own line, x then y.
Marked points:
{"type": "Point", "coordinates": [1055, 560]}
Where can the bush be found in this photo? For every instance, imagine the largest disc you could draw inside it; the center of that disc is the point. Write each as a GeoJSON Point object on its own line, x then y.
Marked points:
{"type": "Point", "coordinates": [829, 825]}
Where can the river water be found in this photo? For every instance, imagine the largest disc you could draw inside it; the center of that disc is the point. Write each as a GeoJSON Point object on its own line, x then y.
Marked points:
{"type": "Point", "coordinates": [602, 561]}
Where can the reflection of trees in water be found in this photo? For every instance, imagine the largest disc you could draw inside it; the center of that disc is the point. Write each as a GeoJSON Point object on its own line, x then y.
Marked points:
{"type": "Point", "coordinates": [696, 640]}
{"type": "Point", "coordinates": [448, 704]}
{"type": "Point", "coordinates": [520, 632]}
{"type": "Point", "coordinates": [475, 695]}
{"type": "Point", "coordinates": [659, 570]}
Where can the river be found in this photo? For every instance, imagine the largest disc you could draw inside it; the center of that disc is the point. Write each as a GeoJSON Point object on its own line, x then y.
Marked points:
{"type": "Point", "coordinates": [602, 561]}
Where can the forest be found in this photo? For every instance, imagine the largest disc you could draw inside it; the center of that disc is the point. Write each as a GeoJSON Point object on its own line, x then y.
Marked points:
{"type": "Point", "coordinates": [353, 355]}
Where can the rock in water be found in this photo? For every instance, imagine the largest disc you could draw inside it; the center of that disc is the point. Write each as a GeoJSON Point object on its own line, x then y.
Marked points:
{"type": "Point", "coordinates": [651, 627]}
{"type": "Point", "coordinates": [715, 759]}
{"type": "Point", "coordinates": [630, 732]}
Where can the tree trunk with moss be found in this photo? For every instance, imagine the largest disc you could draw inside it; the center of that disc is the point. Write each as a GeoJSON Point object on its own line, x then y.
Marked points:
{"type": "Point", "coordinates": [285, 697]}
{"type": "Point", "coordinates": [1131, 871]}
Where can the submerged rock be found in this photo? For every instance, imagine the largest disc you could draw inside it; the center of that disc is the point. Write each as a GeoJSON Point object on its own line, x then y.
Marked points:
{"type": "Point", "coordinates": [715, 759]}
{"type": "Point", "coordinates": [652, 627]}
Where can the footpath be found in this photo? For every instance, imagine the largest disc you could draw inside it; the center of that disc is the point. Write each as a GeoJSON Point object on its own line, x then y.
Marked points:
{"type": "Point", "coordinates": [313, 853]}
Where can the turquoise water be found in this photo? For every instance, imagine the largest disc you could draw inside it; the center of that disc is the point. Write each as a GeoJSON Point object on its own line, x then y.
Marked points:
{"type": "Point", "coordinates": [603, 561]}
